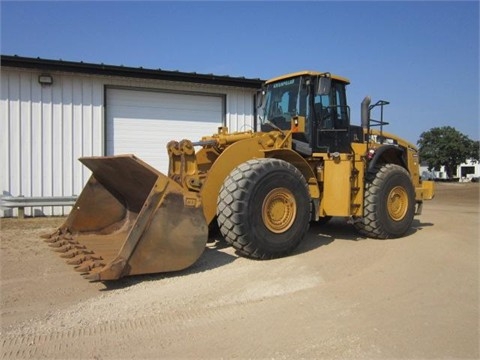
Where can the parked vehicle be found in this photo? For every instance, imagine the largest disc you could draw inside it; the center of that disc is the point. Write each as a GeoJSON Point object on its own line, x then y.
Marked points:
{"type": "Point", "coordinates": [305, 162]}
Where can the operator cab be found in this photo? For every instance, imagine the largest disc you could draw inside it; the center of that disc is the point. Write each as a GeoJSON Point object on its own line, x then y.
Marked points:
{"type": "Point", "coordinates": [318, 97]}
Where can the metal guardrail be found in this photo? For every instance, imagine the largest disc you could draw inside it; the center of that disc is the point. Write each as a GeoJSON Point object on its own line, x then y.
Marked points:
{"type": "Point", "coordinates": [21, 202]}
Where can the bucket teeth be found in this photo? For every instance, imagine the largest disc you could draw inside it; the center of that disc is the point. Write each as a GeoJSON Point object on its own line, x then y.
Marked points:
{"type": "Point", "coordinates": [67, 236]}
{"type": "Point", "coordinates": [69, 247]}
{"type": "Point", "coordinates": [52, 239]}
{"type": "Point", "coordinates": [63, 243]}
{"type": "Point", "coordinates": [92, 277]}
{"type": "Point", "coordinates": [75, 252]}
{"type": "Point", "coordinates": [84, 260]}
{"type": "Point", "coordinates": [49, 236]}
{"type": "Point", "coordinates": [55, 238]}
{"type": "Point", "coordinates": [77, 260]}
{"type": "Point", "coordinates": [62, 249]}
{"type": "Point", "coordinates": [57, 234]}
{"type": "Point", "coordinates": [89, 265]}
{"type": "Point", "coordinates": [58, 244]}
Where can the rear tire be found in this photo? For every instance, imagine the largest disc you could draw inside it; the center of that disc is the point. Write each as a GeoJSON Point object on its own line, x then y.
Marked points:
{"type": "Point", "coordinates": [389, 205]}
{"type": "Point", "coordinates": [263, 208]}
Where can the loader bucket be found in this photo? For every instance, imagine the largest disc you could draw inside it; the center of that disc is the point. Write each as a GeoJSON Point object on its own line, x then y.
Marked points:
{"type": "Point", "coordinates": [131, 219]}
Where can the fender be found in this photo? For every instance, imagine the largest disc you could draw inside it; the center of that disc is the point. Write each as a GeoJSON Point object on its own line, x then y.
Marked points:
{"type": "Point", "coordinates": [234, 155]}
{"type": "Point", "coordinates": [392, 154]}
{"type": "Point", "coordinates": [301, 164]}
{"type": "Point", "coordinates": [238, 153]}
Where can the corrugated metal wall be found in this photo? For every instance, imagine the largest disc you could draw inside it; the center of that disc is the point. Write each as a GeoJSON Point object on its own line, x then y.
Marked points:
{"type": "Point", "coordinates": [240, 110]}
{"type": "Point", "coordinates": [45, 129]}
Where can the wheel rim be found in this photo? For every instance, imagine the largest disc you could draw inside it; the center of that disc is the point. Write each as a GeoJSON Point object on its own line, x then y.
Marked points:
{"type": "Point", "coordinates": [397, 203]}
{"type": "Point", "coordinates": [279, 210]}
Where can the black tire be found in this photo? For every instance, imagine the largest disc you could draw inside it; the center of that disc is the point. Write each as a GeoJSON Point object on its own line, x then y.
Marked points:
{"type": "Point", "coordinates": [389, 203]}
{"type": "Point", "coordinates": [263, 208]}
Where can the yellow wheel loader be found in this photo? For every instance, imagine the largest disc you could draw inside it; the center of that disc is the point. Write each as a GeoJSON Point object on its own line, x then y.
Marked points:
{"type": "Point", "coordinates": [304, 162]}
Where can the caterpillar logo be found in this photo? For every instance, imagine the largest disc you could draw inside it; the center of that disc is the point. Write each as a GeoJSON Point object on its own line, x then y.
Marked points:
{"type": "Point", "coordinates": [283, 83]}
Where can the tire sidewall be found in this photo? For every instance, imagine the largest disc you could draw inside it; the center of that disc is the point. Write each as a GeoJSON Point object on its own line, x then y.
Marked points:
{"type": "Point", "coordinates": [278, 178]}
{"type": "Point", "coordinates": [395, 176]}
{"type": "Point", "coordinates": [240, 205]}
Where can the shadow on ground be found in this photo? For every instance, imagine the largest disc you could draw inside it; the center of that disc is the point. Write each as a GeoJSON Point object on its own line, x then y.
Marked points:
{"type": "Point", "coordinates": [337, 229]}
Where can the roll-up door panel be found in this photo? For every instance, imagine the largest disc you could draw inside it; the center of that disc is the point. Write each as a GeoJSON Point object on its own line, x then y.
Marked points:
{"type": "Point", "coordinates": [143, 122]}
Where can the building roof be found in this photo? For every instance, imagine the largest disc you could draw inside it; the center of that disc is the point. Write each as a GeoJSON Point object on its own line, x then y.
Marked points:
{"type": "Point", "coordinates": [125, 71]}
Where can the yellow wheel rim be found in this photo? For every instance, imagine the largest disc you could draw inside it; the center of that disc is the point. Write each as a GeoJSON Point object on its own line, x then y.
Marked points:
{"type": "Point", "coordinates": [397, 203]}
{"type": "Point", "coordinates": [279, 210]}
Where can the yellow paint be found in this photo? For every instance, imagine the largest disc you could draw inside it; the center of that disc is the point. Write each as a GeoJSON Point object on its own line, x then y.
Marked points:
{"type": "Point", "coordinates": [336, 186]}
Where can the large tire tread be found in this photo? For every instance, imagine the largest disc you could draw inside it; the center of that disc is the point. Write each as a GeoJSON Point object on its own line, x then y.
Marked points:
{"type": "Point", "coordinates": [375, 223]}
{"type": "Point", "coordinates": [235, 202]}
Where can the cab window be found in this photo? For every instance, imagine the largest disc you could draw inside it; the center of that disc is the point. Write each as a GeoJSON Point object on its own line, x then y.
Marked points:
{"type": "Point", "coordinates": [341, 108]}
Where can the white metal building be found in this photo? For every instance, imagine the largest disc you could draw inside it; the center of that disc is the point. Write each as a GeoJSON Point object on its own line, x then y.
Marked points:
{"type": "Point", "coordinates": [468, 170]}
{"type": "Point", "coordinates": [52, 112]}
{"type": "Point", "coordinates": [465, 171]}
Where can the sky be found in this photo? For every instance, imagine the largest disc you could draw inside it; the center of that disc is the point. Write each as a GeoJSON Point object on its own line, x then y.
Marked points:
{"type": "Point", "coordinates": [421, 56]}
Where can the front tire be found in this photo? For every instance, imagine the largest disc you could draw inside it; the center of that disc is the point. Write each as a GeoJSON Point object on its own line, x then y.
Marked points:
{"type": "Point", "coordinates": [389, 205]}
{"type": "Point", "coordinates": [263, 208]}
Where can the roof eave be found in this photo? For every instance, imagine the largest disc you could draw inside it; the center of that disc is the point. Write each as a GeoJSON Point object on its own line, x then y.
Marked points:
{"type": "Point", "coordinates": [125, 71]}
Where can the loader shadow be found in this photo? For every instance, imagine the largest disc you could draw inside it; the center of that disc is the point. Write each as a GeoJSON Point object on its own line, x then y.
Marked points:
{"type": "Point", "coordinates": [210, 259]}
{"type": "Point", "coordinates": [417, 225]}
{"type": "Point", "coordinates": [321, 234]}
{"type": "Point", "coordinates": [219, 253]}
{"type": "Point", "coordinates": [338, 229]}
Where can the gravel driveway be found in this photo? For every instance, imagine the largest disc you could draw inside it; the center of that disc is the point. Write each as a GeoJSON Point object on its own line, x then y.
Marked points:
{"type": "Point", "coordinates": [338, 296]}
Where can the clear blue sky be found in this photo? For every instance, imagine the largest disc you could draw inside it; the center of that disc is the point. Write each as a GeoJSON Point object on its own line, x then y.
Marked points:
{"type": "Point", "coordinates": [423, 57]}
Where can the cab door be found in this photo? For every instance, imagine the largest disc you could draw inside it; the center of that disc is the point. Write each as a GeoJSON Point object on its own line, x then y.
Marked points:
{"type": "Point", "coordinates": [332, 121]}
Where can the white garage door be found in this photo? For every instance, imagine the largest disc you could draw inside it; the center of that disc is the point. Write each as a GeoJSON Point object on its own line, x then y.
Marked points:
{"type": "Point", "coordinates": [143, 122]}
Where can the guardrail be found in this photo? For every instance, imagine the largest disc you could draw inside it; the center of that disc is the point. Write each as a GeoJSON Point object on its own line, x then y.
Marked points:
{"type": "Point", "coordinates": [21, 202]}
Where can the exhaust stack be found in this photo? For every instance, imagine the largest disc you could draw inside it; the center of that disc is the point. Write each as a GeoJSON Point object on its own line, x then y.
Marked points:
{"type": "Point", "coordinates": [365, 111]}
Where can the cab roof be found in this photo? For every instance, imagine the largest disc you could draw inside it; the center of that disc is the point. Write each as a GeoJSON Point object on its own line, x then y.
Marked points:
{"type": "Point", "coordinates": [307, 73]}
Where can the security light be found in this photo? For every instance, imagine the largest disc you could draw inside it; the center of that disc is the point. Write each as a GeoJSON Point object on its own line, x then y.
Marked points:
{"type": "Point", "coordinates": [45, 79]}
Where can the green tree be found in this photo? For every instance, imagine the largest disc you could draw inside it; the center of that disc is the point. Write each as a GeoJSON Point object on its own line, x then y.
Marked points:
{"type": "Point", "coordinates": [475, 151]}
{"type": "Point", "coordinates": [445, 146]}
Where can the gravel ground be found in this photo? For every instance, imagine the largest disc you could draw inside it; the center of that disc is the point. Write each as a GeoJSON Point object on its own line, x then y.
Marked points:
{"type": "Point", "coordinates": [338, 296]}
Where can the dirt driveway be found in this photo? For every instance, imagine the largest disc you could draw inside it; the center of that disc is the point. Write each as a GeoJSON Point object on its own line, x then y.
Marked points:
{"type": "Point", "coordinates": [337, 296]}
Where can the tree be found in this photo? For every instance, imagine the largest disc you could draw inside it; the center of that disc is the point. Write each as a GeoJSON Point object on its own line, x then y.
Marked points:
{"type": "Point", "coordinates": [445, 146]}
{"type": "Point", "coordinates": [475, 154]}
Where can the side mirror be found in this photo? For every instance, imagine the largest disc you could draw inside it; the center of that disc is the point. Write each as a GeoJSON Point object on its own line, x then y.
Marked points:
{"type": "Point", "coordinates": [259, 98]}
{"type": "Point", "coordinates": [324, 84]}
